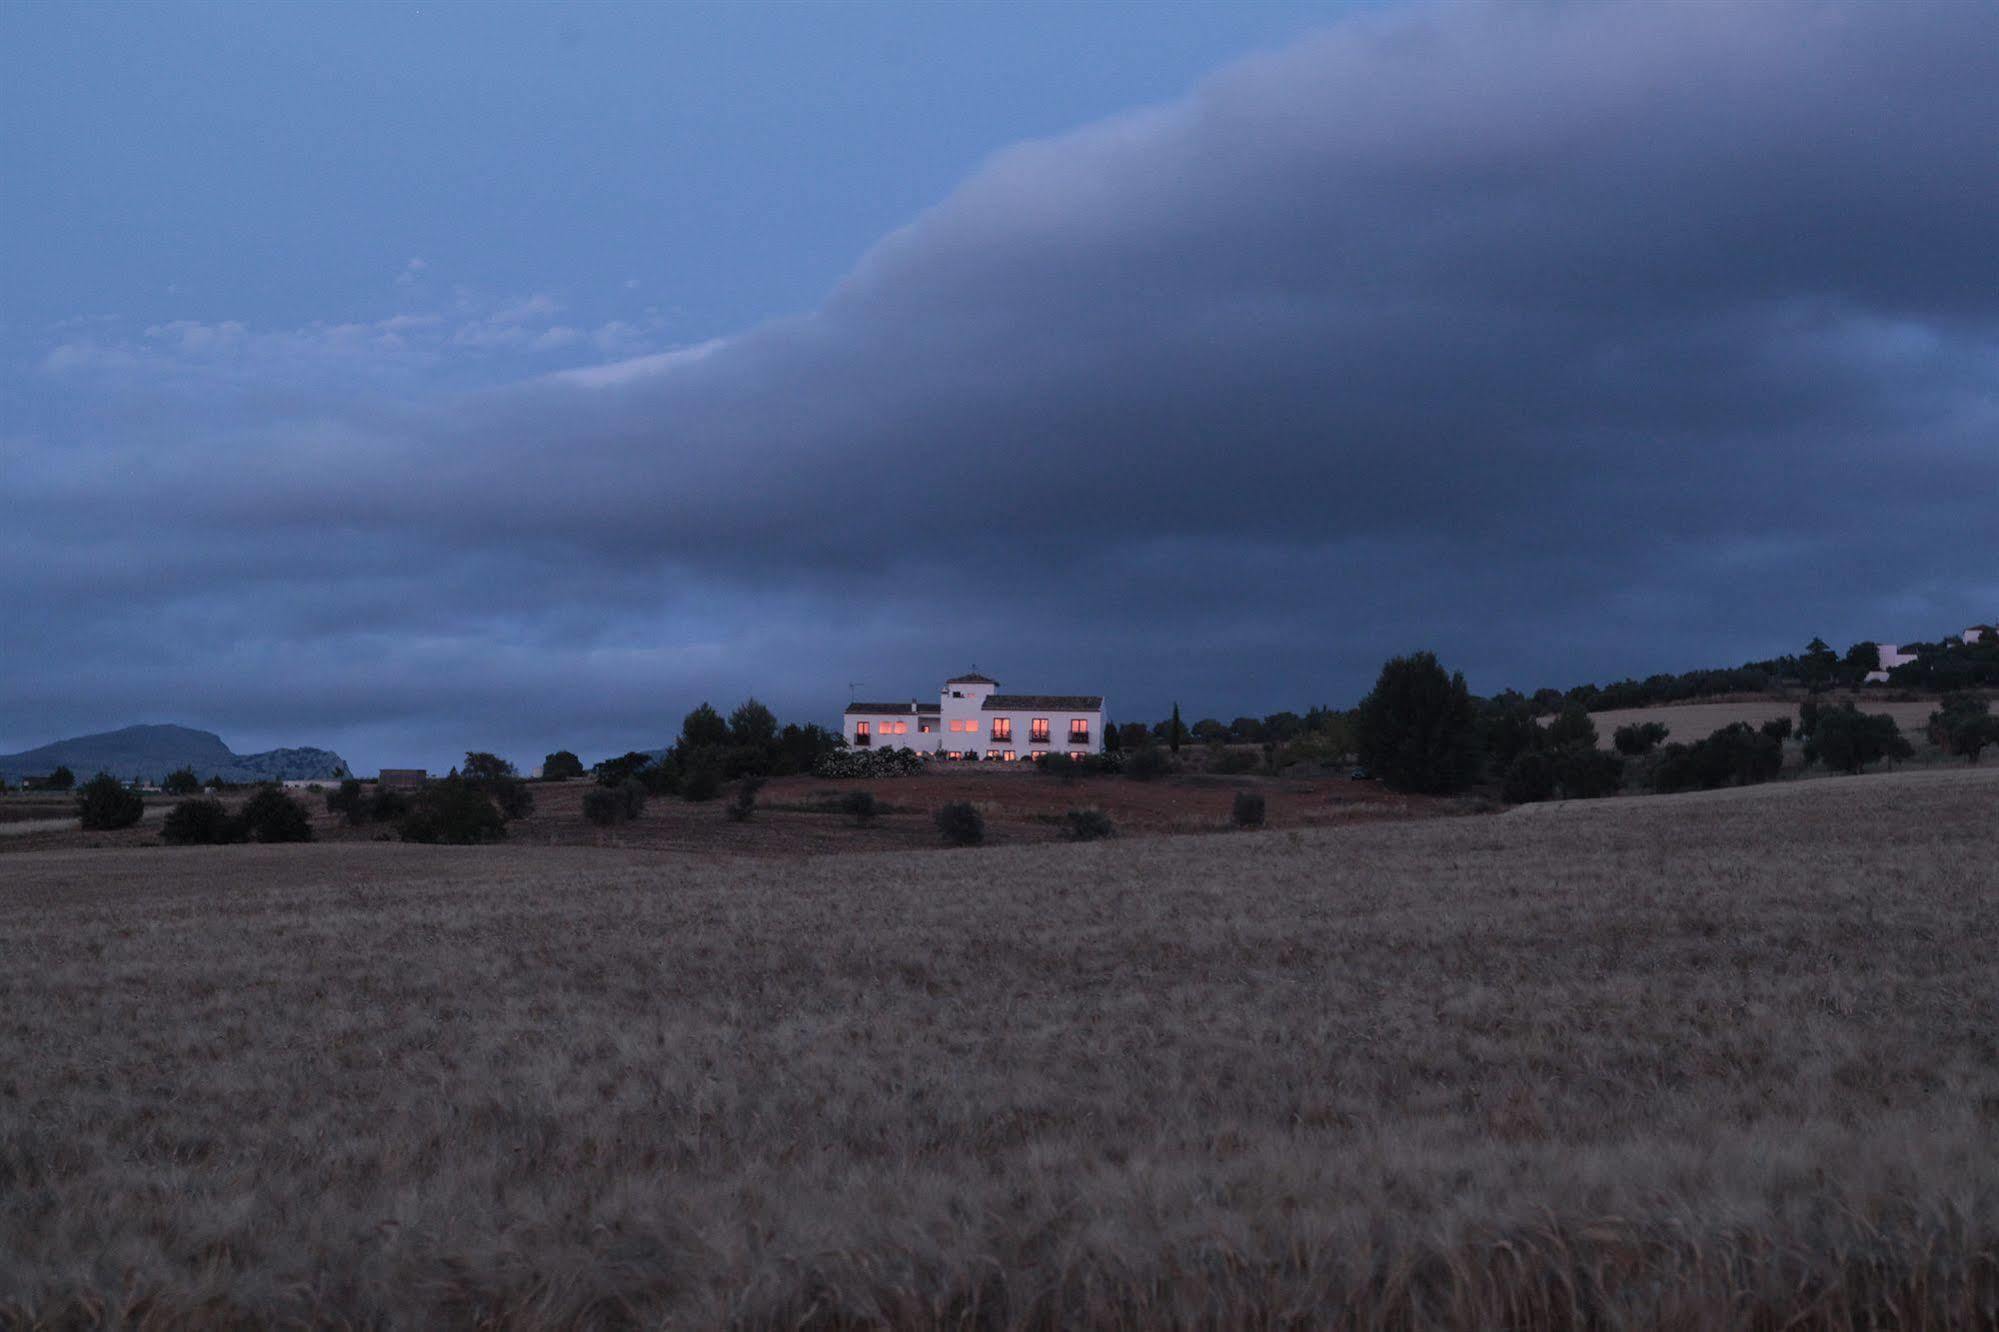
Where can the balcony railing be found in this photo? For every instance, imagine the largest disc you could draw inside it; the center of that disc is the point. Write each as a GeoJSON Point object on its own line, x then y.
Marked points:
{"type": "Point", "coordinates": [1079, 737]}
{"type": "Point", "coordinates": [863, 740]}
{"type": "Point", "coordinates": [1002, 737]}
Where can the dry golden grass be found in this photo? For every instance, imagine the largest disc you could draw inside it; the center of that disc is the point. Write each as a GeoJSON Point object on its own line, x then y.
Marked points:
{"type": "Point", "coordinates": [1680, 1062]}
{"type": "Point", "coordinates": [1688, 722]}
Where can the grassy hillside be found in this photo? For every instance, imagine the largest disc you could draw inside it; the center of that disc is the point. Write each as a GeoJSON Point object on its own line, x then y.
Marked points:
{"type": "Point", "coordinates": [1685, 1061]}
{"type": "Point", "coordinates": [1688, 722]}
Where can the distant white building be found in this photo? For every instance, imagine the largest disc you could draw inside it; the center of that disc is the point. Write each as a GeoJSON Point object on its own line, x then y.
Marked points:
{"type": "Point", "coordinates": [1891, 657]}
{"type": "Point", "coordinates": [1977, 632]}
{"type": "Point", "coordinates": [971, 718]}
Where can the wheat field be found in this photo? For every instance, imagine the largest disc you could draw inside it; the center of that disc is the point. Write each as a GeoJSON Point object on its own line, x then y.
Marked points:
{"type": "Point", "coordinates": [1680, 1062]}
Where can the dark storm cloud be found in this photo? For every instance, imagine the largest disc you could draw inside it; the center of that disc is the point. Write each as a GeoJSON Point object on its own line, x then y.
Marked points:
{"type": "Point", "coordinates": [1569, 340]}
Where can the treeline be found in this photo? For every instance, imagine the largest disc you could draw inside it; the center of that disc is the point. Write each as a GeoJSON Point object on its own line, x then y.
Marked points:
{"type": "Point", "coordinates": [1946, 666]}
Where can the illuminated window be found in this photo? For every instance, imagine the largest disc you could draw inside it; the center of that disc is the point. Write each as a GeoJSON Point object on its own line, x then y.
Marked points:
{"type": "Point", "coordinates": [1037, 729]}
{"type": "Point", "coordinates": [1002, 728]}
{"type": "Point", "coordinates": [1079, 728]}
{"type": "Point", "coordinates": [973, 726]}
{"type": "Point", "coordinates": [861, 733]}
{"type": "Point", "coordinates": [1011, 756]}
{"type": "Point", "coordinates": [902, 728]}
{"type": "Point", "coordinates": [992, 755]}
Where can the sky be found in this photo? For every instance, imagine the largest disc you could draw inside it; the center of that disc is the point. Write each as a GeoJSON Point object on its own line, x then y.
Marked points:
{"type": "Point", "coordinates": [411, 379]}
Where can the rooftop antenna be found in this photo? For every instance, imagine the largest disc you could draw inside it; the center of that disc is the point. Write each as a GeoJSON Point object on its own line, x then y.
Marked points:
{"type": "Point", "coordinates": [852, 685]}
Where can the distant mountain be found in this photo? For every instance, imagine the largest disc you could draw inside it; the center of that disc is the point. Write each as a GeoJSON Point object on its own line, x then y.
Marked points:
{"type": "Point", "coordinates": [151, 752]}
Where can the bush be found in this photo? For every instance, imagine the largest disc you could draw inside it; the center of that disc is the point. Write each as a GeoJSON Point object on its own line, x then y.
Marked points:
{"type": "Point", "coordinates": [861, 807]}
{"type": "Point", "coordinates": [851, 763]}
{"type": "Point", "coordinates": [272, 816]}
{"type": "Point", "coordinates": [1417, 729]}
{"type": "Point", "coordinates": [1145, 764]}
{"type": "Point", "coordinates": [1529, 779]}
{"type": "Point", "coordinates": [702, 782]}
{"type": "Point", "coordinates": [606, 805]}
{"type": "Point", "coordinates": [103, 804]}
{"type": "Point", "coordinates": [62, 779]}
{"type": "Point", "coordinates": [1573, 729]}
{"type": "Point", "coordinates": [1778, 729]}
{"type": "Point", "coordinates": [961, 824]}
{"type": "Point", "coordinates": [744, 803]}
{"type": "Point", "coordinates": [181, 782]}
{"type": "Point", "coordinates": [1248, 810]}
{"type": "Point", "coordinates": [1230, 761]}
{"type": "Point", "coordinates": [350, 802]}
{"type": "Point", "coordinates": [453, 811]}
{"type": "Point", "coordinates": [1640, 738]}
{"type": "Point", "coordinates": [1964, 725]}
{"type": "Point", "coordinates": [561, 766]}
{"type": "Point", "coordinates": [1089, 825]}
{"type": "Point", "coordinates": [511, 794]}
{"type": "Point", "coordinates": [200, 823]}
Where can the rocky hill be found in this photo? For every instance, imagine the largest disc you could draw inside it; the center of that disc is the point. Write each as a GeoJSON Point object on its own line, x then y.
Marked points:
{"type": "Point", "coordinates": [151, 752]}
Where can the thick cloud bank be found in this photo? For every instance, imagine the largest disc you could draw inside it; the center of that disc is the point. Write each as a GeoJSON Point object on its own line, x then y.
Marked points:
{"type": "Point", "coordinates": [1570, 341]}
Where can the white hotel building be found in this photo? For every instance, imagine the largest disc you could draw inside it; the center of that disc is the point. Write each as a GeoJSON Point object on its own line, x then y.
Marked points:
{"type": "Point", "coordinates": [971, 718]}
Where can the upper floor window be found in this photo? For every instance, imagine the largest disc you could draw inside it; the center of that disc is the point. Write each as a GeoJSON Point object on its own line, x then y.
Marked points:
{"type": "Point", "coordinates": [1037, 729]}
{"type": "Point", "coordinates": [1079, 728]}
{"type": "Point", "coordinates": [1002, 728]}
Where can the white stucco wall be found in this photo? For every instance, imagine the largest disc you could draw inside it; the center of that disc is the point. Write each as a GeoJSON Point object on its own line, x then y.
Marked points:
{"type": "Point", "coordinates": [963, 723]}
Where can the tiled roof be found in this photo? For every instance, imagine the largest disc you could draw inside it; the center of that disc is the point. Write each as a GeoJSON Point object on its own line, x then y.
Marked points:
{"type": "Point", "coordinates": [892, 709]}
{"type": "Point", "coordinates": [973, 678]}
{"type": "Point", "coordinates": [1053, 702]}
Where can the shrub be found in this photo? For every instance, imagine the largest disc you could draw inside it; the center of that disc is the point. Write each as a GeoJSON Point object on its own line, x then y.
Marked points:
{"type": "Point", "coordinates": [387, 805]}
{"type": "Point", "coordinates": [1248, 810]}
{"type": "Point", "coordinates": [181, 782]}
{"type": "Point", "coordinates": [561, 766]}
{"type": "Point", "coordinates": [1573, 729]}
{"type": "Point", "coordinates": [350, 802]}
{"type": "Point", "coordinates": [1417, 729]}
{"type": "Point", "coordinates": [1089, 825]}
{"type": "Point", "coordinates": [62, 779]}
{"type": "Point", "coordinates": [861, 807]}
{"type": "Point", "coordinates": [272, 816]}
{"type": "Point", "coordinates": [961, 824]}
{"type": "Point", "coordinates": [1640, 738]}
{"type": "Point", "coordinates": [103, 804]}
{"type": "Point", "coordinates": [483, 767]}
{"type": "Point", "coordinates": [511, 794]}
{"type": "Point", "coordinates": [1778, 729]}
{"type": "Point", "coordinates": [702, 782]}
{"type": "Point", "coordinates": [851, 763]}
{"type": "Point", "coordinates": [606, 805]}
{"type": "Point", "coordinates": [1223, 759]}
{"type": "Point", "coordinates": [453, 811]}
{"type": "Point", "coordinates": [744, 803]}
{"type": "Point", "coordinates": [200, 823]}
{"type": "Point", "coordinates": [1143, 765]}
{"type": "Point", "coordinates": [1735, 755]}
{"type": "Point", "coordinates": [618, 771]}
{"type": "Point", "coordinates": [1530, 778]}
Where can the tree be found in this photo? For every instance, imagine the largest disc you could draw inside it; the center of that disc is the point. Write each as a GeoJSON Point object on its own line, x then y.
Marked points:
{"type": "Point", "coordinates": [1778, 729]}
{"type": "Point", "coordinates": [454, 811]}
{"type": "Point", "coordinates": [104, 804]}
{"type": "Point", "coordinates": [1208, 730]}
{"type": "Point", "coordinates": [1819, 662]}
{"type": "Point", "coordinates": [1177, 731]}
{"type": "Point", "coordinates": [1417, 729]}
{"type": "Point", "coordinates": [1584, 772]}
{"type": "Point", "coordinates": [703, 728]}
{"type": "Point", "coordinates": [1529, 778]}
{"type": "Point", "coordinates": [181, 782]}
{"type": "Point", "coordinates": [1573, 729]}
{"type": "Point", "coordinates": [200, 823]}
{"type": "Point", "coordinates": [701, 782]}
{"type": "Point", "coordinates": [483, 767]}
{"type": "Point", "coordinates": [350, 802]}
{"type": "Point", "coordinates": [1964, 725]}
{"type": "Point", "coordinates": [1640, 738]}
{"type": "Point", "coordinates": [561, 766]}
{"type": "Point", "coordinates": [1847, 739]}
{"type": "Point", "coordinates": [752, 725]}
{"type": "Point", "coordinates": [1860, 659]}
{"type": "Point", "coordinates": [62, 779]}
{"type": "Point", "coordinates": [272, 816]}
